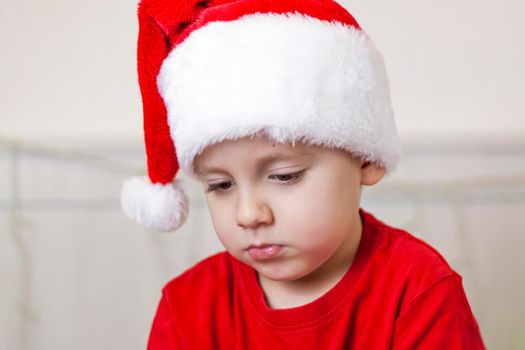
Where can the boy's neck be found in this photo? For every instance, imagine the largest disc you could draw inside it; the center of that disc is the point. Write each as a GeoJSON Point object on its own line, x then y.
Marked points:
{"type": "Point", "coordinates": [288, 294]}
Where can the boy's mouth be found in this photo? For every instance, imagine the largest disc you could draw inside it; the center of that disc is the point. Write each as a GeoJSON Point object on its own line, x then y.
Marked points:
{"type": "Point", "coordinates": [264, 251]}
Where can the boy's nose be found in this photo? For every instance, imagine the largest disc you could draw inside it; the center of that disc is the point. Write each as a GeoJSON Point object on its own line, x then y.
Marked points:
{"type": "Point", "coordinates": [253, 211]}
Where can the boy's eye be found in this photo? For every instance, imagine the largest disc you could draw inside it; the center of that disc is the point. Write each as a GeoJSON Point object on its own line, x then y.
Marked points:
{"type": "Point", "coordinates": [287, 178]}
{"type": "Point", "coordinates": [221, 186]}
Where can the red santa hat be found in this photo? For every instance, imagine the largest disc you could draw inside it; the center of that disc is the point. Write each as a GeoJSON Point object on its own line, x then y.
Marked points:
{"type": "Point", "coordinates": [225, 69]}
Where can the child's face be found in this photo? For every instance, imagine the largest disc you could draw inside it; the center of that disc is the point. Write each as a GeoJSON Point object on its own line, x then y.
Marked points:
{"type": "Point", "coordinates": [284, 210]}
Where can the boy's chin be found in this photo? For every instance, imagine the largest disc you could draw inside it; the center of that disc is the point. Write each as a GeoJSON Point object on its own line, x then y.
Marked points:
{"type": "Point", "coordinates": [278, 273]}
{"type": "Point", "coordinates": [279, 270]}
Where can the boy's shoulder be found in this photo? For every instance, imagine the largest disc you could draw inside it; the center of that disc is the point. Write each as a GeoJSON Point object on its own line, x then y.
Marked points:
{"type": "Point", "coordinates": [411, 259]}
{"type": "Point", "coordinates": [211, 272]}
{"type": "Point", "coordinates": [413, 246]}
{"type": "Point", "coordinates": [203, 294]}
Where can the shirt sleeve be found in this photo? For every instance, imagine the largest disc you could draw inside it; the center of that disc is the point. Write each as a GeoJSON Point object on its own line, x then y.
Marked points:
{"type": "Point", "coordinates": [163, 335]}
{"type": "Point", "coordinates": [438, 318]}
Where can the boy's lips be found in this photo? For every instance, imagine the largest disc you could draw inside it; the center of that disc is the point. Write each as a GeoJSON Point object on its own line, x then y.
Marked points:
{"type": "Point", "coordinates": [264, 251]}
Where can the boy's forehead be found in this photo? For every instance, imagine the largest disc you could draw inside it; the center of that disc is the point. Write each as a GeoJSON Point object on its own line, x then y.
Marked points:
{"type": "Point", "coordinates": [259, 150]}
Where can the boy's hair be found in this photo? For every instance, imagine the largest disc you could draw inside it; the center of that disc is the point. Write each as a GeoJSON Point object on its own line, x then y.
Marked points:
{"type": "Point", "coordinates": [216, 70]}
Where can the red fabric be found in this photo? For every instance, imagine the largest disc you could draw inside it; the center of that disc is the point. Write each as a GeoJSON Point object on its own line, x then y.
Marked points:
{"type": "Point", "coordinates": [178, 18]}
{"type": "Point", "coordinates": [232, 10]}
{"type": "Point", "coordinates": [151, 50]}
{"type": "Point", "coordinates": [398, 294]}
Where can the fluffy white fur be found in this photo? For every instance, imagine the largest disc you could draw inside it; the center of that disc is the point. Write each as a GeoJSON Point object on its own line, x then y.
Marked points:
{"type": "Point", "coordinates": [156, 206]}
{"type": "Point", "coordinates": [290, 76]}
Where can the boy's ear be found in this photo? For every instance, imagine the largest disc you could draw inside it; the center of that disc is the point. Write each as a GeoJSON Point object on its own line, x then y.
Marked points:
{"type": "Point", "coordinates": [371, 173]}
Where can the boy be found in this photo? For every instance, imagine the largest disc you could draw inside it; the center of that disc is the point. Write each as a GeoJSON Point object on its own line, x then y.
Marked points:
{"type": "Point", "coordinates": [281, 109]}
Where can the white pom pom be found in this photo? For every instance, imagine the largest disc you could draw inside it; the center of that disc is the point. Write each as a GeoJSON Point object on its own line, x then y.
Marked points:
{"type": "Point", "coordinates": [156, 206]}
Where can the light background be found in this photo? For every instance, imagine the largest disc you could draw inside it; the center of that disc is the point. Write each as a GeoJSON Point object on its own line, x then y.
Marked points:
{"type": "Point", "coordinates": [74, 273]}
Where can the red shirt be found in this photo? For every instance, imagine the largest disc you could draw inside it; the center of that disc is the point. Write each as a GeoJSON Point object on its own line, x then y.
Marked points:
{"type": "Point", "coordinates": [399, 293]}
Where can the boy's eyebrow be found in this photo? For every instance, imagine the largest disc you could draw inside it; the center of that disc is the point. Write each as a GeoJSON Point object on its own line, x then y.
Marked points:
{"type": "Point", "coordinates": [279, 155]}
{"type": "Point", "coordinates": [262, 162]}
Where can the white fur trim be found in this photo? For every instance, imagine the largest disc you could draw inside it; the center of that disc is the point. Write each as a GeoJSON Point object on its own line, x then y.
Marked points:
{"type": "Point", "coordinates": [156, 206]}
{"type": "Point", "coordinates": [290, 76]}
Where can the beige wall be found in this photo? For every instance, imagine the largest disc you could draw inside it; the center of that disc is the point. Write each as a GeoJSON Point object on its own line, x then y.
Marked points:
{"type": "Point", "coordinates": [456, 67]}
